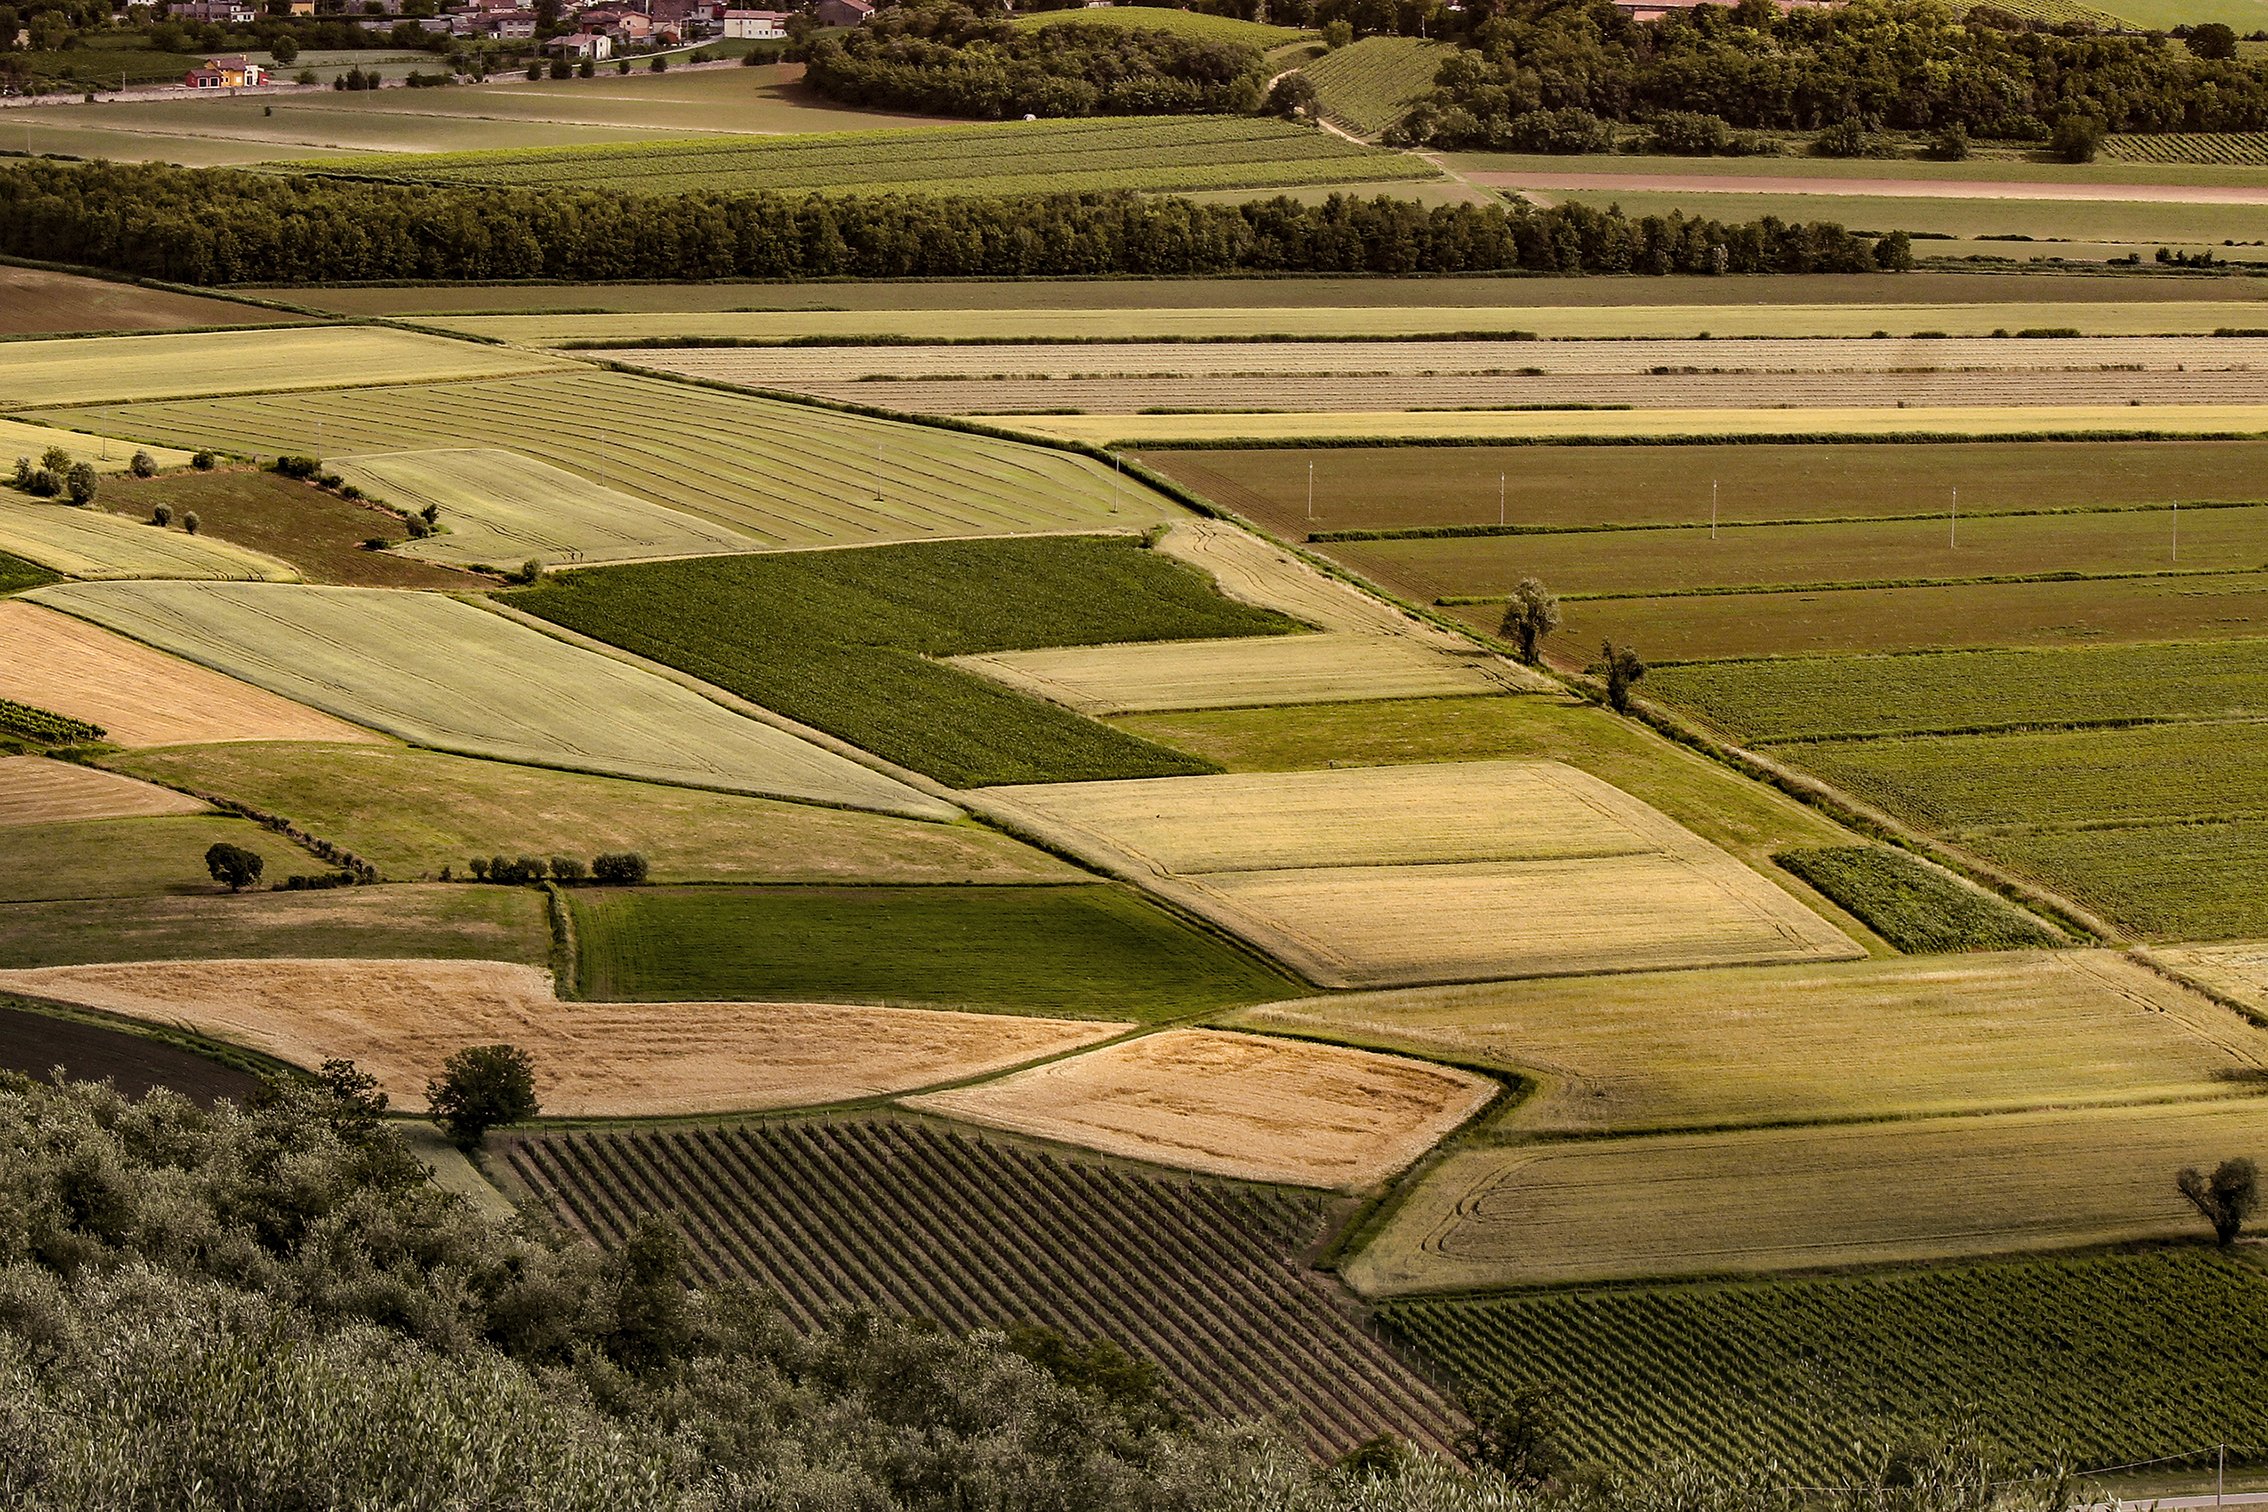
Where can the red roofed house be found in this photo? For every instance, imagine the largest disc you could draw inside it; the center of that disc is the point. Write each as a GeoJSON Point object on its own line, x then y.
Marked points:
{"type": "Point", "coordinates": [224, 73]}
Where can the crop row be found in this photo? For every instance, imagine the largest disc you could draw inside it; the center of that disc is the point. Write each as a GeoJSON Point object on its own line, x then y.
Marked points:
{"type": "Point", "coordinates": [1202, 1279]}
{"type": "Point", "coordinates": [2243, 148]}
{"type": "Point", "coordinates": [2098, 1359]}
{"type": "Point", "coordinates": [1374, 83]}
{"type": "Point", "coordinates": [28, 723]}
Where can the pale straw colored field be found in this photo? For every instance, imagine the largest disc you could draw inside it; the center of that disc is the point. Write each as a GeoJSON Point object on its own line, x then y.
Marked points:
{"type": "Point", "coordinates": [138, 696]}
{"type": "Point", "coordinates": [1234, 1105]}
{"type": "Point", "coordinates": [1244, 673]}
{"type": "Point", "coordinates": [1397, 876]}
{"type": "Point", "coordinates": [114, 369]}
{"type": "Point", "coordinates": [34, 790]}
{"type": "Point", "coordinates": [399, 1020]}
{"type": "Point", "coordinates": [18, 439]}
{"type": "Point", "coordinates": [93, 543]}
{"type": "Point", "coordinates": [2237, 970]}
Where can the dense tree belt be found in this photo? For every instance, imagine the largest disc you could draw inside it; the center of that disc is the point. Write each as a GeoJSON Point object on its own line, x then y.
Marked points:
{"type": "Point", "coordinates": [1904, 64]}
{"type": "Point", "coordinates": [946, 60]}
{"type": "Point", "coordinates": [218, 226]}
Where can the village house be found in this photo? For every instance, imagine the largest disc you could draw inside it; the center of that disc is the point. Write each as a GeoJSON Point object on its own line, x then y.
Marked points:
{"type": "Point", "coordinates": [226, 12]}
{"type": "Point", "coordinates": [843, 12]}
{"type": "Point", "coordinates": [225, 73]}
{"type": "Point", "coordinates": [594, 45]}
{"type": "Point", "coordinates": [756, 25]}
{"type": "Point", "coordinates": [510, 25]}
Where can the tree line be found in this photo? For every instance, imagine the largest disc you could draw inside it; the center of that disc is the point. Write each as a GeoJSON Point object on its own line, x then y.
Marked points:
{"type": "Point", "coordinates": [1899, 64]}
{"type": "Point", "coordinates": [948, 60]}
{"type": "Point", "coordinates": [218, 226]}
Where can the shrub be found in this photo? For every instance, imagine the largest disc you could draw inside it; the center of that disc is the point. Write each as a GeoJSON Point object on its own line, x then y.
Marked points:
{"type": "Point", "coordinates": [562, 69]}
{"type": "Point", "coordinates": [1851, 139]}
{"type": "Point", "coordinates": [321, 882]}
{"type": "Point", "coordinates": [480, 1088]}
{"type": "Point", "coordinates": [622, 65]}
{"type": "Point", "coordinates": [143, 466]}
{"type": "Point", "coordinates": [202, 461]}
{"type": "Point", "coordinates": [584, 69]}
{"type": "Point", "coordinates": [55, 459]}
{"type": "Point", "coordinates": [2214, 39]}
{"type": "Point", "coordinates": [1337, 35]}
{"type": "Point", "coordinates": [619, 868]}
{"type": "Point", "coordinates": [535, 72]}
{"type": "Point", "coordinates": [1691, 134]}
{"type": "Point", "coordinates": [1564, 132]}
{"type": "Point", "coordinates": [1292, 97]}
{"type": "Point", "coordinates": [190, 522]}
{"type": "Point", "coordinates": [349, 491]}
{"type": "Point", "coordinates": [296, 467]}
{"type": "Point", "coordinates": [1950, 144]}
{"type": "Point", "coordinates": [2076, 139]}
{"type": "Point", "coordinates": [567, 869]}
{"type": "Point", "coordinates": [530, 570]}
{"type": "Point", "coordinates": [81, 482]}
{"type": "Point", "coordinates": [375, 543]}
{"type": "Point", "coordinates": [162, 516]}
{"type": "Point", "coordinates": [45, 483]}
{"type": "Point", "coordinates": [478, 866]}
{"type": "Point", "coordinates": [660, 64]}
{"type": "Point", "coordinates": [23, 473]}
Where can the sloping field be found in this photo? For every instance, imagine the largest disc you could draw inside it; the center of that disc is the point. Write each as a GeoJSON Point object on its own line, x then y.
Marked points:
{"type": "Point", "coordinates": [1787, 1199]}
{"type": "Point", "coordinates": [79, 860]}
{"type": "Point", "coordinates": [141, 697]}
{"type": "Point", "coordinates": [116, 370]}
{"type": "Point", "coordinates": [1395, 876]}
{"type": "Point", "coordinates": [1368, 86]}
{"type": "Point", "coordinates": [18, 439]}
{"type": "Point", "coordinates": [37, 791]}
{"type": "Point", "coordinates": [2238, 971]}
{"type": "Point", "coordinates": [1197, 24]}
{"type": "Point", "coordinates": [398, 1020]}
{"type": "Point", "coordinates": [1203, 1279]}
{"type": "Point", "coordinates": [1894, 1038]}
{"type": "Point", "coordinates": [1319, 318]}
{"type": "Point", "coordinates": [1152, 154]}
{"type": "Point", "coordinates": [1296, 669]}
{"type": "Point", "coordinates": [441, 673]}
{"type": "Point", "coordinates": [412, 812]}
{"type": "Point", "coordinates": [1395, 425]}
{"type": "Point", "coordinates": [1233, 1105]}
{"type": "Point", "coordinates": [92, 543]}
{"type": "Point", "coordinates": [499, 508]}
{"type": "Point", "coordinates": [34, 301]}
{"type": "Point", "coordinates": [413, 922]}
{"type": "Point", "coordinates": [785, 474]}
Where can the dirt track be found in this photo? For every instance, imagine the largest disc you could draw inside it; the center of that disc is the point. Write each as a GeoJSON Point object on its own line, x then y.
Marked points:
{"type": "Point", "coordinates": [1885, 188]}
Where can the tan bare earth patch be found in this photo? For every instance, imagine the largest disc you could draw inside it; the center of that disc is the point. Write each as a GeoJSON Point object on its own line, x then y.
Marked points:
{"type": "Point", "coordinates": [1234, 1105]}
{"type": "Point", "coordinates": [1458, 872]}
{"type": "Point", "coordinates": [398, 1020]}
{"type": "Point", "coordinates": [138, 696]}
{"type": "Point", "coordinates": [34, 790]}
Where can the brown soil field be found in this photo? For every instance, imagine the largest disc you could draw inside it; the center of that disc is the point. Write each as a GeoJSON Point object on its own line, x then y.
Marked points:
{"type": "Point", "coordinates": [139, 696]}
{"type": "Point", "coordinates": [1391, 488]}
{"type": "Point", "coordinates": [1397, 876]}
{"type": "Point", "coordinates": [2237, 971]}
{"type": "Point", "coordinates": [36, 1043]}
{"type": "Point", "coordinates": [319, 533]}
{"type": "Point", "coordinates": [34, 302]}
{"type": "Point", "coordinates": [1292, 669]}
{"type": "Point", "coordinates": [1292, 293]}
{"type": "Point", "coordinates": [1901, 1037]}
{"type": "Point", "coordinates": [1699, 627]}
{"type": "Point", "coordinates": [34, 790]}
{"type": "Point", "coordinates": [398, 1020]}
{"type": "Point", "coordinates": [1234, 1105]}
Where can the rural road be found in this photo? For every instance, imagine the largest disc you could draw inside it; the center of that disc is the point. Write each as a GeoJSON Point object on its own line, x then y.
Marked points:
{"type": "Point", "coordinates": [1884, 188]}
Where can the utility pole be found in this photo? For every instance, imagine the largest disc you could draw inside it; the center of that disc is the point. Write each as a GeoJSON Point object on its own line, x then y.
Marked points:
{"type": "Point", "coordinates": [1953, 523]}
{"type": "Point", "coordinates": [1311, 489]}
{"type": "Point", "coordinates": [2176, 528]}
{"type": "Point", "coordinates": [1712, 509]}
{"type": "Point", "coordinates": [1117, 470]}
{"type": "Point", "coordinates": [1500, 498]}
{"type": "Point", "coordinates": [877, 472]}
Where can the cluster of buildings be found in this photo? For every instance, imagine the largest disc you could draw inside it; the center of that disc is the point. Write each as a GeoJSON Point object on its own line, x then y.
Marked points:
{"type": "Point", "coordinates": [605, 29]}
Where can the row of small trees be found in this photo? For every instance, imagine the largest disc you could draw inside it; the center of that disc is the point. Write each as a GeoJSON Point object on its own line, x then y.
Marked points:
{"type": "Point", "coordinates": [1533, 613]}
{"type": "Point", "coordinates": [608, 869]}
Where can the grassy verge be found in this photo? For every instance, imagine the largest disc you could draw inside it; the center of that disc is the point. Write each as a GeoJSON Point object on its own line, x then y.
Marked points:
{"type": "Point", "coordinates": [1913, 905]}
{"type": "Point", "coordinates": [1088, 951]}
{"type": "Point", "coordinates": [843, 641]}
{"type": "Point", "coordinates": [126, 858]}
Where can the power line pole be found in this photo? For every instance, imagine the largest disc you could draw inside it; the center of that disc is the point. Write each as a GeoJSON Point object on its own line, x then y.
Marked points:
{"type": "Point", "coordinates": [1500, 498]}
{"type": "Point", "coordinates": [1712, 509]}
{"type": "Point", "coordinates": [1953, 525]}
{"type": "Point", "coordinates": [2177, 530]}
{"type": "Point", "coordinates": [1311, 489]}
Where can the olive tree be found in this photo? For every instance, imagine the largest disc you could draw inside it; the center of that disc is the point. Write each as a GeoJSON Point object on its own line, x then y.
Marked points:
{"type": "Point", "coordinates": [480, 1087]}
{"type": "Point", "coordinates": [80, 482]}
{"type": "Point", "coordinates": [2224, 1199]}
{"type": "Point", "coordinates": [1532, 614]}
{"type": "Point", "coordinates": [1622, 668]}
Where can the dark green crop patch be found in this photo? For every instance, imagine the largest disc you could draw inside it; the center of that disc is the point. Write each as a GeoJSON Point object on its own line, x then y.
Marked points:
{"type": "Point", "coordinates": [1913, 905]}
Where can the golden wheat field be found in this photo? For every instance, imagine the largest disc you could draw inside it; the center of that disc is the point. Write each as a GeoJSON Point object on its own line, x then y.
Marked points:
{"type": "Point", "coordinates": [2237, 970]}
{"type": "Point", "coordinates": [1396, 876]}
{"type": "Point", "coordinates": [141, 697]}
{"type": "Point", "coordinates": [1899, 1037]}
{"type": "Point", "coordinates": [93, 543]}
{"type": "Point", "coordinates": [34, 790]}
{"type": "Point", "coordinates": [1233, 1105]}
{"type": "Point", "coordinates": [1219, 674]}
{"type": "Point", "coordinates": [1795, 1199]}
{"type": "Point", "coordinates": [444, 674]}
{"type": "Point", "coordinates": [398, 1020]}
{"type": "Point", "coordinates": [118, 369]}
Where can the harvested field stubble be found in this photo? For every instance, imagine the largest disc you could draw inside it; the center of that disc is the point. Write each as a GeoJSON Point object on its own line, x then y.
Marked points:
{"type": "Point", "coordinates": [2237, 971]}
{"type": "Point", "coordinates": [1786, 1199]}
{"type": "Point", "coordinates": [93, 543]}
{"type": "Point", "coordinates": [37, 791]}
{"type": "Point", "coordinates": [1203, 1279]}
{"type": "Point", "coordinates": [105, 455]}
{"type": "Point", "coordinates": [398, 1020]}
{"type": "Point", "coordinates": [118, 370]}
{"type": "Point", "coordinates": [138, 696]}
{"type": "Point", "coordinates": [1391, 876]}
{"type": "Point", "coordinates": [1301, 669]}
{"type": "Point", "coordinates": [1233, 1105]}
{"type": "Point", "coordinates": [1889, 1038]}
{"type": "Point", "coordinates": [445, 674]}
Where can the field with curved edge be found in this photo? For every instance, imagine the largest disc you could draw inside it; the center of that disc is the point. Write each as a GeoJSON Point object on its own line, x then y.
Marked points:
{"type": "Point", "coordinates": [33, 791]}
{"type": "Point", "coordinates": [398, 1020]}
{"type": "Point", "coordinates": [1369, 85]}
{"type": "Point", "coordinates": [1200, 1277]}
{"type": "Point", "coordinates": [441, 673]}
{"type": "Point", "coordinates": [122, 369]}
{"type": "Point", "coordinates": [1233, 1105]}
{"type": "Point", "coordinates": [93, 543]}
{"type": "Point", "coordinates": [784, 474]}
{"type": "Point", "coordinates": [1890, 1038]}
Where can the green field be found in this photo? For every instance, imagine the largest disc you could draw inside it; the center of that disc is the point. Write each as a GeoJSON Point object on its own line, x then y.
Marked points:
{"type": "Point", "coordinates": [2166, 882]}
{"type": "Point", "coordinates": [2078, 1362]}
{"type": "Point", "coordinates": [1913, 905]}
{"type": "Point", "coordinates": [1368, 86]}
{"type": "Point", "coordinates": [846, 641]}
{"type": "Point", "coordinates": [1187, 23]}
{"type": "Point", "coordinates": [1149, 153]}
{"type": "Point", "coordinates": [16, 574]}
{"type": "Point", "coordinates": [1084, 951]}
{"type": "Point", "coordinates": [412, 812]}
{"type": "Point", "coordinates": [785, 474]}
{"type": "Point", "coordinates": [133, 858]}
{"type": "Point", "coordinates": [391, 923]}
{"type": "Point", "coordinates": [442, 673]}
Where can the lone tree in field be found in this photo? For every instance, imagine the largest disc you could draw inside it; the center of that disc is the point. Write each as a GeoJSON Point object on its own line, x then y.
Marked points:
{"type": "Point", "coordinates": [1532, 615]}
{"type": "Point", "coordinates": [479, 1088]}
{"type": "Point", "coordinates": [2224, 1199]}
{"type": "Point", "coordinates": [1622, 669]}
{"type": "Point", "coordinates": [233, 864]}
